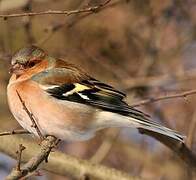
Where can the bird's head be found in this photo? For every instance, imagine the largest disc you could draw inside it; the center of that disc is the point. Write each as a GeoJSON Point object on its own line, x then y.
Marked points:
{"type": "Point", "coordinates": [27, 60]}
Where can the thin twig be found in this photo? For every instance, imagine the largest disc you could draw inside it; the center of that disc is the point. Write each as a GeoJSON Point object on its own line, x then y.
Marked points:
{"type": "Point", "coordinates": [56, 12]}
{"type": "Point", "coordinates": [155, 99]}
{"type": "Point", "coordinates": [158, 80]}
{"type": "Point", "coordinates": [34, 124]}
{"type": "Point", "coordinates": [19, 131]}
{"type": "Point", "coordinates": [46, 146]}
{"type": "Point", "coordinates": [19, 153]}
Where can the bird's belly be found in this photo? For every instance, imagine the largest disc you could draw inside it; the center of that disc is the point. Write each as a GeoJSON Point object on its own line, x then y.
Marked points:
{"type": "Point", "coordinates": [63, 119]}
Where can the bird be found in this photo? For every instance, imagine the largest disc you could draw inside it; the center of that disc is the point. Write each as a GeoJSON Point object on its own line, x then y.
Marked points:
{"type": "Point", "coordinates": [67, 102]}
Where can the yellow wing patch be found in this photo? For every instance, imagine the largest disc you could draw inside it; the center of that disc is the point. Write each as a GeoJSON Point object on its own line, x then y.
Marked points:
{"type": "Point", "coordinates": [78, 88]}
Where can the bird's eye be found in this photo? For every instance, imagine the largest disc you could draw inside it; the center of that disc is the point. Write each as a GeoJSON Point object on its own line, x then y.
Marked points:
{"type": "Point", "coordinates": [31, 64]}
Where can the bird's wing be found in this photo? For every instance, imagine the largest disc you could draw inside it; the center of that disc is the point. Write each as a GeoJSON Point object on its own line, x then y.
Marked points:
{"type": "Point", "coordinates": [67, 82]}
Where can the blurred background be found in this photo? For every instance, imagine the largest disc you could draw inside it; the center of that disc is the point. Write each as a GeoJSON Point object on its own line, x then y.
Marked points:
{"type": "Point", "coordinates": [145, 48]}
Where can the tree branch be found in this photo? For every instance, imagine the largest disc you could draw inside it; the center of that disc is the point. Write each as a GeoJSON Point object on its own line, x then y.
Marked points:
{"type": "Point", "coordinates": [46, 146]}
{"type": "Point", "coordinates": [155, 99]}
{"type": "Point", "coordinates": [61, 163]}
{"type": "Point", "coordinates": [158, 80]}
{"type": "Point", "coordinates": [179, 148]}
{"type": "Point", "coordinates": [91, 9]}
{"type": "Point", "coordinates": [19, 131]}
{"type": "Point", "coordinates": [19, 152]}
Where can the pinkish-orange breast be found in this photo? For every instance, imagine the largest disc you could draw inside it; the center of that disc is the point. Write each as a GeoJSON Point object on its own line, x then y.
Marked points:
{"type": "Point", "coordinates": [52, 115]}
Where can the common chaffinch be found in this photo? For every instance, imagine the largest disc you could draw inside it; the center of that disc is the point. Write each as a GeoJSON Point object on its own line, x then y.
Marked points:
{"type": "Point", "coordinates": [68, 103]}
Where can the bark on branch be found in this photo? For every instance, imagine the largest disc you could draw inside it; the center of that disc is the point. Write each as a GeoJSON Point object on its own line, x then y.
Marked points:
{"type": "Point", "coordinates": [45, 149]}
{"type": "Point", "coordinates": [58, 162]}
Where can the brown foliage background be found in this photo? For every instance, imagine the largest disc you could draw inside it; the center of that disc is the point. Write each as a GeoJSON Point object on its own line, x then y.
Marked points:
{"type": "Point", "coordinates": [145, 48]}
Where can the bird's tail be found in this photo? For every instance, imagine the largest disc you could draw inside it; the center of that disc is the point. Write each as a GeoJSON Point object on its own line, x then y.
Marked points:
{"type": "Point", "coordinates": [159, 129]}
{"type": "Point", "coordinates": [143, 123]}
